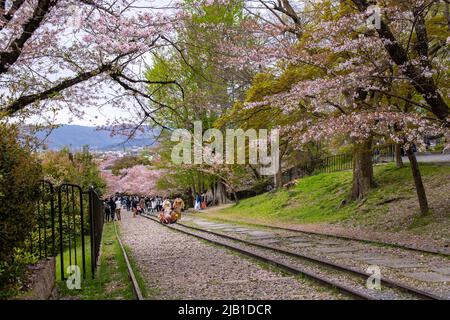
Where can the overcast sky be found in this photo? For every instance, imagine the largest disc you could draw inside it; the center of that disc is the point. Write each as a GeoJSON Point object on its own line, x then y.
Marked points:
{"type": "Point", "coordinates": [95, 116]}
{"type": "Point", "coordinates": [99, 116]}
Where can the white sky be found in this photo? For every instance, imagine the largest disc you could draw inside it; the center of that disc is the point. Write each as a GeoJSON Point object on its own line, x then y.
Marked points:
{"type": "Point", "coordinates": [98, 116]}
{"type": "Point", "coordinates": [94, 116]}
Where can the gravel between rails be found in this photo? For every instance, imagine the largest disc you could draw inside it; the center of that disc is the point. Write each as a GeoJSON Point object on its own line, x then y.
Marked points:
{"type": "Point", "coordinates": [426, 261]}
{"type": "Point", "coordinates": [178, 266]}
{"type": "Point", "coordinates": [343, 278]}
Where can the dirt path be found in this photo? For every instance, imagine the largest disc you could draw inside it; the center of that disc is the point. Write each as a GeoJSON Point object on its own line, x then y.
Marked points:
{"type": "Point", "coordinates": [177, 266]}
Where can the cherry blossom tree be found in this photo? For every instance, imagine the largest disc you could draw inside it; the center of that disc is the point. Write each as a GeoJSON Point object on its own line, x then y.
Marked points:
{"type": "Point", "coordinates": [387, 84]}
{"type": "Point", "coordinates": [138, 180]}
{"type": "Point", "coordinates": [353, 81]}
{"type": "Point", "coordinates": [74, 53]}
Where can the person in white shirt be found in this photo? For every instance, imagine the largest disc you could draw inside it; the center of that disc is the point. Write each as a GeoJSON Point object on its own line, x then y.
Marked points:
{"type": "Point", "coordinates": [153, 204]}
{"type": "Point", "coordinates": [118, 206]}
{"type": "Point", "coordinates": [167, 205]}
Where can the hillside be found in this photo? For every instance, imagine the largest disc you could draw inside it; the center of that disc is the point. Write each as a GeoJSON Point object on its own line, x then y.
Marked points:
{"type": "Point", "coordinates": [75, 137]}
{"type": "Point", "coordinates": [392, 207]}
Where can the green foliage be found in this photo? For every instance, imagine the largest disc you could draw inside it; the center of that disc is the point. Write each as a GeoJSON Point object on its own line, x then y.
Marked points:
{"type": "Point", "coordinates": [206, 83]}
{"type": "Point", "coordinates": [178, 177]}
{"type": "Point", "coordinates": [318, 198]}
{"type": "Point", "coordinates": [15, 271]}
{"type": "Point", "coordinates": [128, 162]}
{"type": "Point", "coordinates": [20, 173]}
{"type": "Point", "coordinates": [79, 168]}
{"type": "Point", "coordinates": [75, 168]}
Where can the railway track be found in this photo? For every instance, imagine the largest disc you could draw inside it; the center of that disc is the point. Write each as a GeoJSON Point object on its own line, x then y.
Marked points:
{"type": "Point", "coordinates": [442, 252]}
{"type": "Point", "coordinates": [137, 293]}
{"type": "Point", "coordinates": [349, 281]}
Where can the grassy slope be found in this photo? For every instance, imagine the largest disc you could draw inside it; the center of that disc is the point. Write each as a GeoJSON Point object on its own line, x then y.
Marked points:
{"type": "Point", "coordinates": [111, 281]}
{"type": "Point", "coordinates": [317, 199]}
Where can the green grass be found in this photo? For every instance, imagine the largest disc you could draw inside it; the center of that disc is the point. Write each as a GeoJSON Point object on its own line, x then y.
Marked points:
{"type": "Point", "coordinates": [314, 199]}
{"type": "Point", "coordinates": [318, 198]}
{"type": "Point", "coordinates": [69, 258]}
{"type": "Point", "coordinates": [111, 280]}
{"type": "Point", "coordinates": [421, 221]}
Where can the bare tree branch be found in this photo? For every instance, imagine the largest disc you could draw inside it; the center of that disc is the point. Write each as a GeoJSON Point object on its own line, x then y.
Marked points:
{"type": "Point", "coordinates": [24, 101]}
{"type": "Point", "coordinates": [12, 53]}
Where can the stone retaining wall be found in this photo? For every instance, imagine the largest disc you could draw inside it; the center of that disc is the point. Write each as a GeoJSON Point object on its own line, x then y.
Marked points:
{"type": "Point", "coordinates": [42, 281]}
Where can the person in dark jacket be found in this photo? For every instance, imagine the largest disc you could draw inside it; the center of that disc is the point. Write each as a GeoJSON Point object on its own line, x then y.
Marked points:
{"type": "Point", "coordinates": [107, 211]}
{"type": "Point", "coordinates": [134, 205]}
{"type": "Point", "coordinates": [128, 203]}
{"type": "Point", "coordinates": [112, 205]}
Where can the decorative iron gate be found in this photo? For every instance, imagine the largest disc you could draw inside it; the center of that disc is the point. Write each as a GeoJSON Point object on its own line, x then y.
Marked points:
{"type": "Point", "coordinates": [42, 240]}
{"type": "Point", "coordinates": [69, 225]}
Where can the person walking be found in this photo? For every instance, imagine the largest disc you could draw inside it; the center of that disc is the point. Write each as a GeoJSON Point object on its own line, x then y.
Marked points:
{"type": "Point", "coordinates": [128, 204]}
{"type": "Point", "coordinates": [167, 205]}
{"type": "Point", "coordinates": [203, 199]}
{"type": "Point", "coordinates": [198, 201]}
{"type": "Point", "coordinates": [134, 206]}
{"type": "Point", "coordinates": [107, 211]}
{"type": "Point", "coordinates": [148, 204]}
{"type": "Point", "coordinates": [141, 206]}
{"type": "Point", "coordinates": [112, 205]}
{"type": "Point", "coordinates": [118, 208]}
{"type": "Point", "coordinates": [158, 204]}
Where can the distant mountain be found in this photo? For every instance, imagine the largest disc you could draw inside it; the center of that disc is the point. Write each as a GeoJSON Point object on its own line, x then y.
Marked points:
{"type": "Point", "coordinates": [75, 137]}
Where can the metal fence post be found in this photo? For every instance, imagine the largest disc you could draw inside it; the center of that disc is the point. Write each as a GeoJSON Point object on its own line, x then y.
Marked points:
{"type": "Point", "coordinates": [91, 229]}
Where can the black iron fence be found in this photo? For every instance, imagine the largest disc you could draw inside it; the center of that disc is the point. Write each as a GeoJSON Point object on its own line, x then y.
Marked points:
{"type": "Point", "coordinates": [69, 224]}
{"type": "Point", "coordinates": [42, 241]}
{"type": "Point", "coordinates": [96, 222]}
{"type": "Point", "coordinates": [336, 163]}
{"type": "Point", "coordinates": [384, 154]}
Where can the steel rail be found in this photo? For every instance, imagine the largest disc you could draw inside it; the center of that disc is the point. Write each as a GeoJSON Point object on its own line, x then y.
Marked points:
{"type": "Point", "coordinates": [134, 284]}
{"type": "Point", "coordinates": [391, 283]}
{"type": "Point", "coordinates": [282, 265]}
{"type": "Point", "coordinates": [342, 237]}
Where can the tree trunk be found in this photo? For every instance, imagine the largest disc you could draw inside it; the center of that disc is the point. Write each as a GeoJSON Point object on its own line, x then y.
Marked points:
{"type": "Point", "coordinates": [236, 199]}
{"type": "Point", "coordinates": [278, 178]}
{"type": "Point", "coordinates": [398, 155]}
{"type": "Point", "coordinates": [220, 193]}
{"type": "Point", "coordinates": [363, 179]}
{"type": "Point", "coordinates": [424, 85]}
{"type": "Point", "coordinates": [213, 193]}
{"type": "Point", "coordinates": [192, 195]}
{"type": "Point", "coordinates": [421, 194]}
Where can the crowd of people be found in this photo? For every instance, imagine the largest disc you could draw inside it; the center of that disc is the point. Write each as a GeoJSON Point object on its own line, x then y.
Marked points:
{"type": "Point", "coordinates": [139, 205]}
{"type": "Point", "coordinates": [168, 210]}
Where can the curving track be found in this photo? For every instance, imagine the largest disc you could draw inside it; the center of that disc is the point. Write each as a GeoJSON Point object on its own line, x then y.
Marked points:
{"type": "Point", "coordinates": [347, 280]}
{"type": "Point", "coordinates": [442, 252]}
